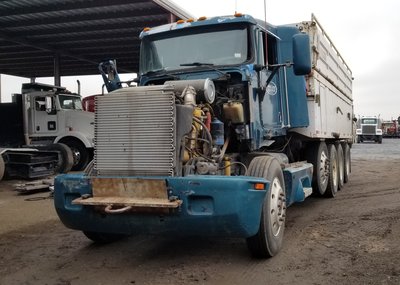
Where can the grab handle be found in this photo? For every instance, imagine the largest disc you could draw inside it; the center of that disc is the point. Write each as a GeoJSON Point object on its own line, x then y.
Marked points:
{"type": "Point", "coordinates": [110, 210]}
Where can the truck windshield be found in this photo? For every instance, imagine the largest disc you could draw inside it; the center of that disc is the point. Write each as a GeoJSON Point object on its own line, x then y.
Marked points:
{"type": "Point", "coordinates": [216, 47]}
{"type": "Point", "coordinates": [368, 121]}
{"type": "Point", "coordinates": [68, 102]}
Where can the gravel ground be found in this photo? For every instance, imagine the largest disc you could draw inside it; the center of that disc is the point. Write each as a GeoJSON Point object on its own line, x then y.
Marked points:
{"type": "Point", "coordinates": [351, 239]}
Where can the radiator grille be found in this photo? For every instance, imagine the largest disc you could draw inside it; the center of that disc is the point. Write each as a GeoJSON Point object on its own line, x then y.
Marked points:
{"type": "Point", "coordinates": [134, 132]}
{"type": "Point", "coordinates": [368, 130]}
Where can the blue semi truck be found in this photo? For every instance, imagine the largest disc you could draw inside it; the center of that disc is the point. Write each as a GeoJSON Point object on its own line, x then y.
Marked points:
{"type": "Point", "coordinates": [232, 121]}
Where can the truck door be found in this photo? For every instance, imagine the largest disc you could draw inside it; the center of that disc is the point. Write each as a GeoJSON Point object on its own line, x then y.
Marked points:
{"type": "Point", "coordinates": [271, 103]}
{"type": "Point", "coordinates": [45, 122]}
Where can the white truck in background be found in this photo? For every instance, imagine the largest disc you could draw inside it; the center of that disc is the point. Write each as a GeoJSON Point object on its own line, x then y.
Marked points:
{"type": "Point", "coordinates": [369, 129]}
{"type": "Point", "coordinates": [44, 118]}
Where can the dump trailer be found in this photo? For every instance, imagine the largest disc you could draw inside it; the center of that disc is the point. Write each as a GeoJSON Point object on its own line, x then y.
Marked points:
{"type": "Point", "coordinates": [233, 121]}
{"type": "Point", "coordinates": [43, 119]}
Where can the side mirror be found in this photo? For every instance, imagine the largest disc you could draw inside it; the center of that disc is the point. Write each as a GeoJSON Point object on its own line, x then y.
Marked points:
{"type": "Point", "coordinates": [48, 104]}
{"type": "Point", "coordinates": [301, 54]}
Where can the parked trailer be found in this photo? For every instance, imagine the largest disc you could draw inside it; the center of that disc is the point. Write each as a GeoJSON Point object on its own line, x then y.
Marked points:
{"type": "Point", "coordinates": [234, 120]}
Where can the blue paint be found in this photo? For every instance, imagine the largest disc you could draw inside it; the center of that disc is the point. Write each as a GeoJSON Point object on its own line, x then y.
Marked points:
{"type": "Point", "coordinates": [212, 206]}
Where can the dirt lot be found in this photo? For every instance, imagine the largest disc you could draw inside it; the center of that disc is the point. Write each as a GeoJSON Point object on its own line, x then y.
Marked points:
{"type": "Point", "coordinates": [352, 239]}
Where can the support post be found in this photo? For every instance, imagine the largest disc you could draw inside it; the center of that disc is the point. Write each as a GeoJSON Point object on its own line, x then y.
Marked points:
{"type": "Point", "coordinates": [57, 76]}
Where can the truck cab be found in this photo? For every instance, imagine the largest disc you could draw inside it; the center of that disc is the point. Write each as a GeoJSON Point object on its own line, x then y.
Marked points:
{"type": "Point", "coordinates": [54, 115]}
{"type": "Point", "coordinates": [369, 129]}
{"type": "Point", "coordinates": [214, 141]}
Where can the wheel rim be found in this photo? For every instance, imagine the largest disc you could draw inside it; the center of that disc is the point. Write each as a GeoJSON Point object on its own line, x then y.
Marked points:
{"type": "Point", "coordinates": [347, 161]}
{"type": "Point", "coordinates": [324, 168]}
{"type": "Point", "coordinates": [341, 167]}
{"type": "Point", "coordinates": [334, 172]}
{"type": "Point", "coordinates": [76, 155]}
{"type": "Point", "coordinates": [277, 206]}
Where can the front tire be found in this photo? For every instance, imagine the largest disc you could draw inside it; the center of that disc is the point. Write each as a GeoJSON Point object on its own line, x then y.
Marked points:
{"type": "Point", "coordinates": [65, 158]}
{"type": "Point", "coordinates": [80, 154]}
{"type": "Point", "coordinates": [268, 241]}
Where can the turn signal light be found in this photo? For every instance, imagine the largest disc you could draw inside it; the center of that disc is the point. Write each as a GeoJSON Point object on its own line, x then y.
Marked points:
{"type": "Point", "coordinates": [202, 18]}
{"type": "Point", "coordinates": [259, 186]}
{"type": "Point", "coordinates": [238, 15]}
{"type": "Point", "coordinates": [146, 29]}
{"type": "Point", "coordinates": [180, 21]}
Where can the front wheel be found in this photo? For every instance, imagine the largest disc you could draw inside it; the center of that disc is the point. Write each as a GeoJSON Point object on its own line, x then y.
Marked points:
{"type": "Point", "coordinates": [65, 157]}
{"type": "Point", "coordinates": [80, 154]}
{"type": "Point", "coordinates": [268, 241]}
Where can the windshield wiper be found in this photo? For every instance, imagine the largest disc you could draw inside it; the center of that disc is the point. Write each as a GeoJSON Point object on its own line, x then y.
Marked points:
{"type": "Point", "coordinates": [197, 64]}
{"type": "Point", "coordinates": [160, 72]}
{"type": "Point", "coordinates": [210, 65]}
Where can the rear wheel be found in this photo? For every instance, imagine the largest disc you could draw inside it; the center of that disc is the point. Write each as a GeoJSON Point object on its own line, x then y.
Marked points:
{"type": "Point", "coordinates": [103, 237]}
{"type": "Point", "coordinates": [317, 154]}
{"type": "Point", "coordinates": [340, 157]}
{"type": "Point", "coordinates": [347, 161]}
{"type": "Point", "coordinates": [333, 180]}
{"type": "Point", "coordinates": [269, 238]}
{"type": "Point", "coordinates": [2, 167]}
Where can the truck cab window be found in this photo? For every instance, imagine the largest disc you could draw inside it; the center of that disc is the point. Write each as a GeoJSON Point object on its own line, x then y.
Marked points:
{"type": "Point", "coordinates": [40, 104]}
{"type": "Point", "coordinates": [68, 102]}
{"type": "Point", "coordinates": [271, 50]}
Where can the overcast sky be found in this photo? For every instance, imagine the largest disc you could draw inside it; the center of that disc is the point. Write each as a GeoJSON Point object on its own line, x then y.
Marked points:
{"type": "Point", "coordinates": [365, 33]}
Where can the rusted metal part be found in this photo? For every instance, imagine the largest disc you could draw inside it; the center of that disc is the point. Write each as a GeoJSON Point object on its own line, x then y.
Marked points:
{"type": "Point", "coordinates": [124, 201]}
{"type": "Point", "coordinates": [34, 186]}
{"type": "Point", "coordinates": [110, 210]}
{"type": "Point", "coordinates": [121, 195]}
{"type": "Point", "coordinates": [129, 188]}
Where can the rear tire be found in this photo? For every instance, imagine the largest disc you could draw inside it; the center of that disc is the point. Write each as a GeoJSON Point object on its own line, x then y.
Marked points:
{"type": "Point", "coordinates": [2, 167]}
{"type": "Point", "coordinates": [317, 154]}
{"type": "Point", "coordinates": [268, 241]}
{"type": "Point", "coordinates": [347, 161]}
{"type": "Point", "coordinates": [340, 156]}
{"type": "Point", "coordinates": [333, 180]}
{"type": "Point", "coordinates": [103, 238]}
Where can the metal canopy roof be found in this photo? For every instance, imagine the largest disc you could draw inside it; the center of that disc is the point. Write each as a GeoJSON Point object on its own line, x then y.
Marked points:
{"type": "Point", "coordinates": [77, 34]}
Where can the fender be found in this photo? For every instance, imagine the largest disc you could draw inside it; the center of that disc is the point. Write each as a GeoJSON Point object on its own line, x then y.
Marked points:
{"type": "Point", "coordinates": [78, 135]}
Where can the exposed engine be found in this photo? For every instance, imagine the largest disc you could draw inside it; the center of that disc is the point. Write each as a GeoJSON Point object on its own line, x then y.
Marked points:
{"type": "Point", "coordinates": [179, 128]}
{"type": "Point", "coordinates": [203, 148]}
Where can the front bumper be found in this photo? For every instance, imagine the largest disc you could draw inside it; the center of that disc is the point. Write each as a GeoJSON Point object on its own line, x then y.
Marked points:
{"type": "Point", "coordinates": [211, 206]}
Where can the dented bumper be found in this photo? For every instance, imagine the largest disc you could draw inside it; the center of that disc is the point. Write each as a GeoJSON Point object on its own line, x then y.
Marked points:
{"type": "Point", "coordinates": [206, 205]}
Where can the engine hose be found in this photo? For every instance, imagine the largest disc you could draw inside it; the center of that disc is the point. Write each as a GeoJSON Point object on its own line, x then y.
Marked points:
{"type": "Point", "coordinates": [209, 137]}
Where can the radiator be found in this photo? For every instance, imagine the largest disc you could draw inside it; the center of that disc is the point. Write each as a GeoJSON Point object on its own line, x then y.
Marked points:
{"type": "Point", "coordinates": [135, 132]}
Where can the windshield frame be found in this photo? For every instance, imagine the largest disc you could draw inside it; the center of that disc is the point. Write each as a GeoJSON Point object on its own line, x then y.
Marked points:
{"type": "Point", "coordinates": [74, 98]}
{"type": "Point", "coordinates": [369, 121]}
{"type": "Point", "coordinates": [249, 57]}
